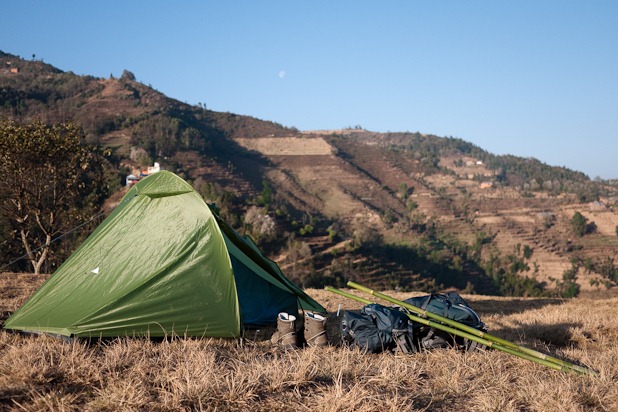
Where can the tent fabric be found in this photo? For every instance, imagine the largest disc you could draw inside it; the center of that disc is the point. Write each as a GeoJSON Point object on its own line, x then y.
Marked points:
{"type": "Point", "coordinates": [160, 264]}
{"type": "Point", "coordinates": [248, 250]}
{"type": "Point", "coordinates": [260, 300]}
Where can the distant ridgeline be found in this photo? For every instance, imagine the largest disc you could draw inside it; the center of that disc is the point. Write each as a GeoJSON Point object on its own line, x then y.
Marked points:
{"type": "Point", "coordinates": [110, 110]}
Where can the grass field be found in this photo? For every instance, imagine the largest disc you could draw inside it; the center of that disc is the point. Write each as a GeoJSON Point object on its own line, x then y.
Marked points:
{"type": "Point", "coordinates": [42, 373]}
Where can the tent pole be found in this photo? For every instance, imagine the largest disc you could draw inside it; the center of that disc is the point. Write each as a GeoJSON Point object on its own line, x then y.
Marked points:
{"type": "Point", "coordinates": [462, 331]}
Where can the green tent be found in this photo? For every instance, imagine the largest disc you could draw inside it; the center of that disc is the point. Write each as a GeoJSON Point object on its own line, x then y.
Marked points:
{"type": "Point", "coordinates": [161, 263]}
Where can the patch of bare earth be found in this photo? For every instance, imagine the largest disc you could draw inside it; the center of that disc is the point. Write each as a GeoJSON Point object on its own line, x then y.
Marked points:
{"type": "Point", "coordinates": [311, 174]}
{"type": "Point", "coordinates": [287, 146]}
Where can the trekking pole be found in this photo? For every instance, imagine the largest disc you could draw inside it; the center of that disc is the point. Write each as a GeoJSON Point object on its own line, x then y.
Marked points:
{"type": "Point", "coordinates": [458, 332]}
{"type": "Point", "coordinates": [494, 340]}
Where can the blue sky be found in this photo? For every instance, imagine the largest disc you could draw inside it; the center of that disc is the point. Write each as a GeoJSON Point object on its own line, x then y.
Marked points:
{"type": "Point", "coordinates": [529, 78]}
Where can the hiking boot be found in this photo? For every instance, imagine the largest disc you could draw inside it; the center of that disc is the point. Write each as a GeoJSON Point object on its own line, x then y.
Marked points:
{"type": "Point", "coordinates": [315, 329]}
{"type": "Point", "coordinates": [285, 336]}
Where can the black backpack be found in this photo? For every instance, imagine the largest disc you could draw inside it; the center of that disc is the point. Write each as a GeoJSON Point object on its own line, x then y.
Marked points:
{"type": "Point", "coordinates": [377, 329]}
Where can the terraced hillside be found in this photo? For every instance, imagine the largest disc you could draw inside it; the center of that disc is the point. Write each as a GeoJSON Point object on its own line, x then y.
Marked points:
{"type": "Point", "coordinates": [396, 210]}
{"type": "Point", "coordinates": [364, 176]}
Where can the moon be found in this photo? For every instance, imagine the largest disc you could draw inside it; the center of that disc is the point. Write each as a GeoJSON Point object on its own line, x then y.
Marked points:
{"type": "Point", "coordinates": [281, 74]}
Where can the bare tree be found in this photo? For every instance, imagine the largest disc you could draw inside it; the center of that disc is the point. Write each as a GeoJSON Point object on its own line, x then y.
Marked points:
{"type": "Point", "coordinates": [50, 182]}
{"type": "Point", "coordinates": [259, 224]}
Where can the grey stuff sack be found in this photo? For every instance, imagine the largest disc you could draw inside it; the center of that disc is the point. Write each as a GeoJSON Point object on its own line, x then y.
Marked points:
{"type": "Point", "coordinates": [451, 306]}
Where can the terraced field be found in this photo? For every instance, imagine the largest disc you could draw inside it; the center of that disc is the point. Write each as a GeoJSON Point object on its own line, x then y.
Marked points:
{"type": "Point", "coordinates": [347, 176]}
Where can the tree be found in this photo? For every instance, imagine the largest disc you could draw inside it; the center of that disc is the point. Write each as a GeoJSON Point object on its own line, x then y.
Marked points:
{"type": "Point", "coordinates": [365, 231]}
{"type": "Point", "coordinates": [258, 224]}
{"type": "Point", "coordinates": [568, 287]}
{"type": "Point", "coordinates": [50, 183]}
{"type": "Point", "coordinates": [127, 76]}
{"type": "Point", "coordinates": [266, 197]}
{"type": "Point", "coordinates": [297, 251]}
{"type": "Point", "coordinates": [579, 224]}
{"type": "Point", "coordinates": [528, 252]}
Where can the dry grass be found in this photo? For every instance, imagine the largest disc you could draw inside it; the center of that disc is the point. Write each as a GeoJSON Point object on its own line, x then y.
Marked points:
{"type": "Point", "coordinates": [41, 373]}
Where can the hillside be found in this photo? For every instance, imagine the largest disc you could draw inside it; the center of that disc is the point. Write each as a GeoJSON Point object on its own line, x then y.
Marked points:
{"type": "Point", "coordinates": [395, 210]}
